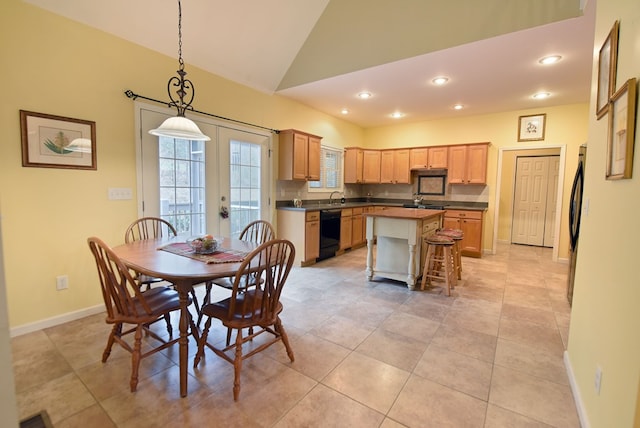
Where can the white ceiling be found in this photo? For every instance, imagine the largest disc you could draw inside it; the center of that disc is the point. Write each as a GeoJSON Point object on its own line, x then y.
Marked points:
{"type": "Point", "coordinates": [490, 57]}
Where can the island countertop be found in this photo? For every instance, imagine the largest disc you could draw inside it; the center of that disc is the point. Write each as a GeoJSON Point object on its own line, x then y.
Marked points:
{"type": "Point", "coordinates": [406, 213]}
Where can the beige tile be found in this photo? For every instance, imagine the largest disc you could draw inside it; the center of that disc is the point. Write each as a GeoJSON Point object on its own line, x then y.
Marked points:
{"type": "Point", "coordinates": [531, 360]}
{"type": "Point", "coordinates": [343, 331]}
{"type": "Point", "coordinates": [411, 326]}
{"type": "Point", "coordinates": [324, 407]}
{"type": "Point", "coordinates": [368, 381]}
{"type": "Point", "coordinates": [533, 397]}
{"type": "Point", "coordinates": [533, 335]}
{"type": "Point", "coordinates": [391, 348]}
{"type": "Point", "coordinates": [94, 417]}
{"type": "Point", "coordinates": [423, 403]}
{"type": "Point", "coordinates": [467, 342]}
{"type": "Point", "coordinates": [473, 320]}
{"type": "Point", "coordinates": [498, 417]}
{"type": "Point", "coordinates": [529, 314]}
{"type": "Point", "coordinates": [60, 397]}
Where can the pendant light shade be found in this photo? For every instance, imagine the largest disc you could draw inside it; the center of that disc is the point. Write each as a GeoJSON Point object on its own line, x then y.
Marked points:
{"type": "Point", "coordinates": [180, 126]}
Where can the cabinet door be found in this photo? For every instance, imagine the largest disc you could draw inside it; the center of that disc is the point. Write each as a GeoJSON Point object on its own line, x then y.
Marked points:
{"type": "Point", "coordinates": [451, 223]}
{"type": "Point", "coordinates": [353, 159]}
{"type": "Point", "coordinates": [345, 232]}
{"type": "Point", "coordinates": [371, 166]}
{"type": "Point", "coordinates": [457, 164]}
{"type": "Point", "coordinates": [401, 172]}
{"type": "Point", "coordinates": [386, 166]}
{"type": "Point", "coordinates": [313, 159]}
{"type": "Point", "coordinates": [438, 157]}
{"type": "Point", "coordinates": [357, 235]}
{"type": "Point", "coordinates": [472, 242]}
{"type": "Point", "coordinates": [418, 158]}
{"type": "Point", "coordinates": [477, 164]}
{"type": "Point", "coordinates": [312, 240]}
{"type": "Point", "coordinates": [300, 156]}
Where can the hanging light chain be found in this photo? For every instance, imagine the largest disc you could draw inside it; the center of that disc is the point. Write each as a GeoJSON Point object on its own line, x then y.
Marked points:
{"type": "Point", "coordinates": [184, 86]}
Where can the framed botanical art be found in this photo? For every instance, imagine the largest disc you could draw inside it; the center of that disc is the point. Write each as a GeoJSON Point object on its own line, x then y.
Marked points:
{"type": "Point", "coordinates": [531, 128]}
{"type": "Point", "coordinates": [607, 64]}
{"type": "Point", "coordinates": [50, 141]}
{"type": "Point", "coordinates": [622, 116]}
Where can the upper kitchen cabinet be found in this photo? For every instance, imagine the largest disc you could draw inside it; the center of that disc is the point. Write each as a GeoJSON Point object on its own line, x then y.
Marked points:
{"type": "Point", "coordinates": [428, 157]}
{"type": "Point", "coordinates": [299, 156]}
{"type": "Point", "coordinates": [468, 164]}
{"type": "Point", "coordinates": [371, 166]}
{"type": "Point", "coordinates": [353, 164]}
{"type": "Point", "coordinates": [394, 166]}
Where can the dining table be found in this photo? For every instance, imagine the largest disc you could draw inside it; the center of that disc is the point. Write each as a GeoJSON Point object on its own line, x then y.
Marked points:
{"type": "Point", "coordinates": [171, 259]}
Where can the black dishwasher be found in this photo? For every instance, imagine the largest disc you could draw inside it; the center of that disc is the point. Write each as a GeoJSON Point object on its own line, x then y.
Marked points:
{"type": "Point", "coordinates": [329, 233]}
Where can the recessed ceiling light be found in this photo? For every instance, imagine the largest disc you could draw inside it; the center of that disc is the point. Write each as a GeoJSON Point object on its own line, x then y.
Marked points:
{"type": "Point", "coordinates": [541, 95]}
{"type": "Point", "coordinates": [364, 95]}
{"type": "Point", "coordinates": [441, 80]}
{"type": "Point", "coordinates": [458, 107]}
{"type": "Point", "coordinates": [551, 59]}
{"type": "Point", "coordinates": [397, 115]}
{"type": "Point", "coordinates": [344, 111]}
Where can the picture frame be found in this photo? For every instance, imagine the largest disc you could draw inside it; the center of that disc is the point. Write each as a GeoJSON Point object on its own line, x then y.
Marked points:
{"type": "Point", "coordinates": [50, 141]}
{"type": "Point", "coordinates": [532, 127]}
{"type": "Point", "coordinates": [621, 136]}
{"type": "Point", "coordinates": [607, 66]}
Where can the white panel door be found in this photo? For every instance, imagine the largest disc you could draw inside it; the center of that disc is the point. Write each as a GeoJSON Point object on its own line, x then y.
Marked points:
{"type": "Point", "coordinates": [530, 200]}
{"type": "Point", "coordinates": [552, 191]}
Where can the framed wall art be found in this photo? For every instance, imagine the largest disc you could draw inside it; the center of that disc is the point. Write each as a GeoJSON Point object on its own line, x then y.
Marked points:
{"type": "Point", "coordinates": [607, 65]}
{"type": "Point", "coordinates": [531, 128]}
{"type": "Point", "coordinates": [50, 141]}
{"type": "Point", "coordinates": [622, 116]}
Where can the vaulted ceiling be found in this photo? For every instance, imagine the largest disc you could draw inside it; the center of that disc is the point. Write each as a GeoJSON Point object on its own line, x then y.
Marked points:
{"type": "Point", "coordinates": [323, 52]}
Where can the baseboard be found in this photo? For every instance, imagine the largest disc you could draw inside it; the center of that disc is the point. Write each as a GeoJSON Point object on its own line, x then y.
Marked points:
{"type": "Point", "coordinates": [577, 398]}
{"type": "Point", "coordinates": [57, 320]}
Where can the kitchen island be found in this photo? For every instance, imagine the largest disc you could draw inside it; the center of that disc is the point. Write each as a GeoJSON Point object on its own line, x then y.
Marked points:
{"type": "Point", "coordinates": [399, 233]}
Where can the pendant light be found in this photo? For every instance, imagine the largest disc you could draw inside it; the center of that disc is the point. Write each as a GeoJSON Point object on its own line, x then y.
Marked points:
{"type": "Point", "coordinates": [179, 126]}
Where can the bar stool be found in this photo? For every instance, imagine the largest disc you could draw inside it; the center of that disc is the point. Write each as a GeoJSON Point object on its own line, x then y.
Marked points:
{"type": "Point", "coordinates": [438, 263]}
{"type": "Point", "coordinates": [456, 235]}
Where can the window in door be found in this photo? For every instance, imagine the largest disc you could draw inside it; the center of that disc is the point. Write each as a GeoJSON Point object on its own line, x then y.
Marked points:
{"type": "Point", "coordinates": [182, 184]}
{"type": "Point", "coordinates": [245, 184]}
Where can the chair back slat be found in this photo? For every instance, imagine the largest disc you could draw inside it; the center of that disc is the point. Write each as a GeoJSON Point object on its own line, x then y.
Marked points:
{"type": "Point", "coordinates": [258, 302]}
{"type": "Point", "coordinates": [122, 296]}
{"type": "Point", "coordinates": [259, 231]}
{"type": "Point", "coordinates": [149, 228]}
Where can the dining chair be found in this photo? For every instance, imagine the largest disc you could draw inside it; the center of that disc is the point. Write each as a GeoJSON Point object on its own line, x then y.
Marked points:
{"type": "Point", "coordinates": [252, 305]}
{"type": "Point", "coordinates": [259, 232]}
{"type": "Point", "coordinates": [127, 305]}
{"type": "Point", "coordinates": [152, 228]}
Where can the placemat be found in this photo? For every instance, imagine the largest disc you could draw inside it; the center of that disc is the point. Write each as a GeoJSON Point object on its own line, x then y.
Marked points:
{"type": "Point", "coordinates": [222, 256]}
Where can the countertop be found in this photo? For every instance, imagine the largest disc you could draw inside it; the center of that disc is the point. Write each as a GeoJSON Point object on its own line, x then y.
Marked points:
{"type": "Point", "coordinates": [315, 206]}
{"type": "Point", "coordinates": [406, 213]}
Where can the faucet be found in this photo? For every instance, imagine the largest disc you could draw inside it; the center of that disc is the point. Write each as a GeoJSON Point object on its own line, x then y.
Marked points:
{"type": "Point", "coordinates": [331, 197]}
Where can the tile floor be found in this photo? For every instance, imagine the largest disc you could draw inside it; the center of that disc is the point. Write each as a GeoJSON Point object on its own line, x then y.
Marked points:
{"type": "Point", "coordinates": [368, 354]}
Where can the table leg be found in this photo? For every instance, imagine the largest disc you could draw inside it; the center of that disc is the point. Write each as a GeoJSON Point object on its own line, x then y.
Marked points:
{"type": "Point", "coordinates": [183, 342]}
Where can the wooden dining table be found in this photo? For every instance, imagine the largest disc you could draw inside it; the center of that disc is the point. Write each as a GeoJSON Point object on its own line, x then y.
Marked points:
{"type": "Point", "coordinates": [147, 257]}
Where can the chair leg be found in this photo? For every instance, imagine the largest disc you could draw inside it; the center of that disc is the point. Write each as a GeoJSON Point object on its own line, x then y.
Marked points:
{"type": "Point", "coordinates": [201, 342]}
{"type": "Point", "coordinates": [135, 358]}
{"type": "Point", "coordinates": [205, 301]}
{"type": "Point", "coordinates": [117, 328]}
{"type": "Point", "coordinates": [237, 366]}
{"type": "Point", "coordinates": [167, 318]}
{"type": "Point", "coordinates": [285, 339]}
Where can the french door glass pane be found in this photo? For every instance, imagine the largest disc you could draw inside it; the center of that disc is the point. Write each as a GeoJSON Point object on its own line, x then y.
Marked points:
{"type": "Point", "coordinates": [245, 185]}
{"type": "Point", "coordinates": [182, 184]}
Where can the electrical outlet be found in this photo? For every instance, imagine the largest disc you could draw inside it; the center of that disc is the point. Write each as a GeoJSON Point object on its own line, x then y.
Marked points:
{"type": "Point", "coordinates": [598, 379]}
{"type": "Point", "coordinates": [62, 282]}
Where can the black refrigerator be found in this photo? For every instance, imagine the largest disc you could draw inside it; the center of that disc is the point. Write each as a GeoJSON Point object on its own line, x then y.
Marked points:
{"type": "Point", "coordinates": [575, 213]}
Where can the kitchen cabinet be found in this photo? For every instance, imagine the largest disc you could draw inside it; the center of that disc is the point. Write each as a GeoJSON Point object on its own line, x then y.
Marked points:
{"type": "Point", "coordinates": [468, 164]}
{"type": "Point", "coordinates": [357, 227]}
{"type": "Point", "coordinates": [428, 157]}
{"type": "Point", "coordinates": [346, 228]}
{"type": "Point", "coordinates": [299, 156]}
{"type": "Point", "coordinates": [394, 166]}
{"type": "Point", "coordinates": [371, 166]}
{"type": "Point", "coordinates": [353, 164]}
{"type": "Point", "coordinates": [470, 222]}
{"type": "Point", "coordinates": [303, 230]}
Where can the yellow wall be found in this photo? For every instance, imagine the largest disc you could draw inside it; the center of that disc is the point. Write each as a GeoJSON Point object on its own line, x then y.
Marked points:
{"type": "Point", "coordinates": [605, 320]}
{"type": "Point", "coordinates": [565, 125]}
{"type": "Point", "coordinates": [56, 66]}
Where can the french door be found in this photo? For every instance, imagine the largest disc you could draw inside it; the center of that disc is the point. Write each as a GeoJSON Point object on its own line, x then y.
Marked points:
{"type": "Point", "coordinates": [213, 187]}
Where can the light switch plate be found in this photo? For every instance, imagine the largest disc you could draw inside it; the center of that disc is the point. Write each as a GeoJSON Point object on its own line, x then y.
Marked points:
{"type": "Point", "coordinates": [120, 193]}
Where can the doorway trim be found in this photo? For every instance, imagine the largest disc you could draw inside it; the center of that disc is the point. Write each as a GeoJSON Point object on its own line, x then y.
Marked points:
{"type": "Point", "coordinates": [561, 173]}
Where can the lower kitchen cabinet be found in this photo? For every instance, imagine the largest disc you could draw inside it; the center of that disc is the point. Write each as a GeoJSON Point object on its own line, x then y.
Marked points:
{"type": "Point", "coordinates": [346, 228]}
{"type": "Point", "coordinates": [312, 236]}
{"type": "Point", "coordinates": [470, 222]}
{"type": "Point", "coordinates": [357, 228]}
{"type": "Point", "coordinates": [307, 244]}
